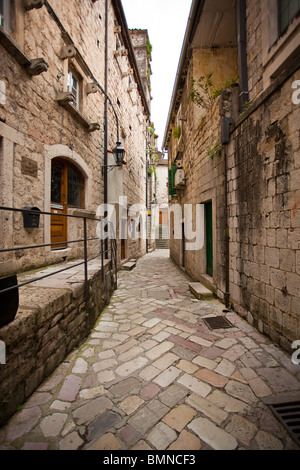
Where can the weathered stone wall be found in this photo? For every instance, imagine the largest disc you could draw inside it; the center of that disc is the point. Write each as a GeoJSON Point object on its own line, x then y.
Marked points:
{"type": "Point", "coordinates": [141, 44]}
{"type": "Point", "coordinates": [262, 180]}
{"type": "Point", "coordinates": [49, 324]}
{"type": "Point", "coordinates": [161, 182]}
{"type": "Point", "coordinates": [204, 171]}
{"type": "Point", "coordinates": [263, 174]}
{"type": "Point", "coordinates": [34, 128]}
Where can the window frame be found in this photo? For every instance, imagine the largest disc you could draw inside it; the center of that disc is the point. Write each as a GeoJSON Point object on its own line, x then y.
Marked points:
{"type": "Point", "coordinates": [6, 16]}
{"type": "Point", "coordinates": [65, 164]}
{"type": "Point", "coordinates": [277, 50]}
{"type": "Point", "coordinates": [74, 76]}
{"type": "Point", "coordinates": [282, 29]}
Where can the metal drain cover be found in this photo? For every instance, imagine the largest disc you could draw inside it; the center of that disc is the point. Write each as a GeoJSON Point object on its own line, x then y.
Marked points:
{"type": "Point", "coordinates": [216, 323]}
{"type": "Point", "coordinates": [289, 416]}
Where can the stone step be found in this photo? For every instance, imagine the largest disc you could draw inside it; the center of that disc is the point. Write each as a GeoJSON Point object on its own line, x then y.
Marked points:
{"type": "Point", "coordinates": [200, 291]}
{"type": "Point", "coordinates": [128, 266]}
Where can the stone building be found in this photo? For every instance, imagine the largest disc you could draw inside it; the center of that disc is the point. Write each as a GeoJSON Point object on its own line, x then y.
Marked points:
{"type": "Point", "coordinates": [70, 93]}
{"type": "Point", "coordinates": [70, 90]}
{"type": "Point", "coordinates": [143, 54]}
{"type": "Point", "coordinates": [233, 141]}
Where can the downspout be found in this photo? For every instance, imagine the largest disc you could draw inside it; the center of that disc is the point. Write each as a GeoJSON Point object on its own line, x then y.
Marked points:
{"type": "Point", "coordinates": [147, 209]}
{"type": "Point", "coordinates": [242, 52]}
{"type": "Point", "coordinates": [227, 238]}
{"type": "Point", "coordinates": [243, 98]}
{"type": "Point", "coordinates": [105, 168]}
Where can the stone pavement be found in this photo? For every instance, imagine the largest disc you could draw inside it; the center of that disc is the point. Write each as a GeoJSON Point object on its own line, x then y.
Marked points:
{"type": "Point", "coordinates": [153, 376]}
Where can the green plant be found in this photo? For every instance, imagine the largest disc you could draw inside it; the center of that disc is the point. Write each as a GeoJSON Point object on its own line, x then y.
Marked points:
{"type": "Point", "coordinates": [214, 149]}
{"type": "Point", "coordinates": [177, 132]}
{"type": "Point", "coordinates": [151, 129]}
{"type": "Point", "coordinates": [149, 48]}
{"type": "Point", "coordinates": [245, 106]}
{"type": "Point", "coordinates": [203, 92]}
{"type": "Point", "coordinates": [218, 91]}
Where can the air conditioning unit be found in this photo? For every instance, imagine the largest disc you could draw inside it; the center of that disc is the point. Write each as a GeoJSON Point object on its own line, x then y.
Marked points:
{"type": "Point", "coordinates": [180, 180]}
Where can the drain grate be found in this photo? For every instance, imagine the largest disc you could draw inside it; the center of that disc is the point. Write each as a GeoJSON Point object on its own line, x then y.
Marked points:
{"type": "Point", "coordinates": [289, 416]}
{"type": "Point", "coordinates": [216, 323]}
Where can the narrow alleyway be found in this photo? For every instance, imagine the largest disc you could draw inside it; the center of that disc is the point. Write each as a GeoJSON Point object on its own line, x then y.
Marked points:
{"type": "Point", "coordinates": [153, 376]}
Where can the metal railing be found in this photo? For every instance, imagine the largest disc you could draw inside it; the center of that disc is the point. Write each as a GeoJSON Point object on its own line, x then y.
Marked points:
{"type": "Point", "coordinates": [104, 253]}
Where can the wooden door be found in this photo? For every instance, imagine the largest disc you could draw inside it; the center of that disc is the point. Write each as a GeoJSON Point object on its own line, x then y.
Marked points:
{"type": "Point", "coordinates": [124, 229]}
{"type": "Point", "coordinates": [58, 204]}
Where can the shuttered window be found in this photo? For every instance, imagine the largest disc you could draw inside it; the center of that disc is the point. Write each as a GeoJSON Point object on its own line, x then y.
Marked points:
{"type": "Point", "coordinates": [172, 171]}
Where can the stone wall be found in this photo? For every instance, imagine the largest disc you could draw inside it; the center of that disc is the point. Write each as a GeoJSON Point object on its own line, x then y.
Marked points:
{"type": "Point", "coordinates": [35, 128]}
{"type": "Point", "coordinates": [162, 182]}
{"type": "Point", "coordinates": [204, 168]}
{"type": "Point", "coordinates": [263, 175]}
{"type": "Point", "coordinates": [50, 323]}
{"type": "Point", "coordinates": [262, 188]}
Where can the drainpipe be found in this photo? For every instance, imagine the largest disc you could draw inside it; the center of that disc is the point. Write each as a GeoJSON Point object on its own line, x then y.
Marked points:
{"type": "Point", "coordinates": [147, 166]}
{"type": "Point", "coordinates": [242, 52]}
{"type": "Point", "coordinates": [227, 288]}
{"type": "Point", "coordinates": [225, 138]}
{"type": "Point", "coordinates": [105, 168]}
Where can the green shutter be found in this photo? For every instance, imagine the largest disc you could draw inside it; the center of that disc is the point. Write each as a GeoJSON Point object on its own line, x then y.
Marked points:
{"type": "Point", "coordinates": [172, 171]}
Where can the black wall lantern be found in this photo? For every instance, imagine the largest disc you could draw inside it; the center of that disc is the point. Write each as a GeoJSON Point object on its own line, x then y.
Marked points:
{"type": "Point", "coordinates": [119, 154]}
{"type": "Point", "coordinates": [31, 217]}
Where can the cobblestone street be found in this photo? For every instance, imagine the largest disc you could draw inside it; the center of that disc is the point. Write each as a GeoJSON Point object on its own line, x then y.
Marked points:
{"type": "Point", "coordinates": [153, 376]}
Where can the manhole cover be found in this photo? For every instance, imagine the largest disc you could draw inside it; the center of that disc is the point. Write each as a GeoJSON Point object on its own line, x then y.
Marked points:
{"type": "Point", "coordinates": [216, 323]}
{"type": "Point", "coordinates": [289, 416]}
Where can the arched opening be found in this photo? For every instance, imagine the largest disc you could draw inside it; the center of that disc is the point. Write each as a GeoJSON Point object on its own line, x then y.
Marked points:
{"type": "Point", "coordinates": [67, 191]}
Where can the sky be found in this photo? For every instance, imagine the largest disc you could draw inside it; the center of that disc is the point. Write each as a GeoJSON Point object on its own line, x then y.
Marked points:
{"type": "Point", "coordinates": [166, 22]}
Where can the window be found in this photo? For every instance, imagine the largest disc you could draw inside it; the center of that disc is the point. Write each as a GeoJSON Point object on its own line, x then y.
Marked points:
{"type": "Point", "coordinates": [118, 45]}
{"type": "Point", "coordinates": [66, 179]}
{"type": "Point", "coordinates": [5, 15]}
{"type": "Point", "coordinates": [287, 11]}
{"type": "Point", "coordinates": [75, 187]}
{"type": "Point", "coordinates": [74, 87]}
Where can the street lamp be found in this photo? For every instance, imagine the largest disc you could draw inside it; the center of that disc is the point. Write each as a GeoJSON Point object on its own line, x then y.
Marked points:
{"type": "Point", "coordinates": [119, 154]}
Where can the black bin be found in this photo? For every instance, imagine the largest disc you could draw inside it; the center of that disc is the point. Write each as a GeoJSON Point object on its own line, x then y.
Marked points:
{"type": "Point", "coordinates": [9, 300]}
{"type": "Point", "coordinates": [31, 219]}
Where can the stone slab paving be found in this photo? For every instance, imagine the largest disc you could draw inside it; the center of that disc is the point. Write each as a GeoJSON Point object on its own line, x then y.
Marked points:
{"type": "Point", "coordinates": [153, 376]}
